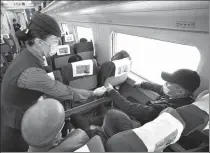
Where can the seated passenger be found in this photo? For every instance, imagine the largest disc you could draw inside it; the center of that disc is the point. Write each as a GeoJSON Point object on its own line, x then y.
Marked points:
{"type": "Point", "coordinates": [107, 67]}
{"type": "Point", "coordinates": [86, 47]}
{"type": "Point", "coordinates": [74, 58]}
{"type": "Point", "coordinates": [176, 92]}
{"type": "Point", "coordinates": [41, 128]}
{"type": "Point", "coordinates": [110, 126]}
{"type": "Point", "coordinates": [116, 121]}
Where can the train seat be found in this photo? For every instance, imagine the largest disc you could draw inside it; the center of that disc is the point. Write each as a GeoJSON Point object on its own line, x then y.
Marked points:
{"type": "Point", "coordinates": [81, 74]}
{"type": "Point", "coordinates": [153, 136]}
{"type": "Point", "coordinates": [84, 49]}
{"type": "Point", "coordinates": [61, 58]}
{"type": "Point", "coordinates": [74, 140]}
{"type": "Point", "coordinates": [94, 145]}
{"type": "Point", "coordinates": [114, 72]}
{"type": "Point", "coordinates": [197, 128]}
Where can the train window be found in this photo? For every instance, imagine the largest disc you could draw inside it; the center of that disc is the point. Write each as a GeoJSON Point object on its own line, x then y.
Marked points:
{"type": "Point", "coordinates": [64, 28]}
{"type": "Point", "coordinates": [150, 57]}
{"type": "Point", "coordinates": [84, 32]}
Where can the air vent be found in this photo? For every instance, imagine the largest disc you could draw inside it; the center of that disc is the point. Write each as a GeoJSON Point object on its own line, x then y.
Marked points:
{"type": "Point", "coordinates": [185, 25]}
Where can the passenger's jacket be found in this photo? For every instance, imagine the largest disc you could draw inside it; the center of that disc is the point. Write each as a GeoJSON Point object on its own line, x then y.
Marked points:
{"type": "Point", "coordinates": [149, 111]}
{"type": "Point", "coordinates": [72, 142]}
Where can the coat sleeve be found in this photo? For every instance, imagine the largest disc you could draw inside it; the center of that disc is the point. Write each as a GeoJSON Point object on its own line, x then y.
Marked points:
{"type": "Point", "coordinates": [37, 79]}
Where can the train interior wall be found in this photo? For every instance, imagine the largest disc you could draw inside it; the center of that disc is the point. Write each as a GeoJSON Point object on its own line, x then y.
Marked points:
{"type": "Point", "coordinates": [157, 22]}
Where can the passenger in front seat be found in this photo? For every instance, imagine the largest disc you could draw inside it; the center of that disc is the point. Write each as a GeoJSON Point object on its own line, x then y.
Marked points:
{"type": "Point", "coordinates": [107, 67]}
{"type": "Point", "coordinates": [176, 92]}
{"type": "Point", "coordinates": [41, 129]}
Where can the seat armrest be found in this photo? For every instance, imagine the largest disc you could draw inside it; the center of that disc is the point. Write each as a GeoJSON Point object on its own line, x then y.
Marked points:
{"type": "Point", "coordinates": [87, 106]}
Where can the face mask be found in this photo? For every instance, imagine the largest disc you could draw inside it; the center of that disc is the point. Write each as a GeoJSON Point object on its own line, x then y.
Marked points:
{"type": "Point", "coordinates": [53, 48]}
{"type": "Point", "coordinates": [170, 92]}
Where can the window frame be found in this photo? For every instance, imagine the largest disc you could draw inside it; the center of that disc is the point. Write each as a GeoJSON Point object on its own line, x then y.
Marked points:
{"type": "Point", "coordinates": [82, 27]}
{"type": "Point", "coordinates": [77, 37]}
{"type": "Point", "coordinates": [114, 50]}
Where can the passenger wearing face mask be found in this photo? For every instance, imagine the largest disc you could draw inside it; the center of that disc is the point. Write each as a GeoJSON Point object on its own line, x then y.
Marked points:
{"type": "Point", "coordinates": [26, 80]}
{"type": "Point", "coordinates": [176, 92]}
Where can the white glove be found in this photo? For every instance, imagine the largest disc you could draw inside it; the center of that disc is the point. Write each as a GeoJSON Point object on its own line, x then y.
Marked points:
{"type": "Point", "coordinates": [109, 87]}
{"type": "Point", "coordinates": [99, 91]}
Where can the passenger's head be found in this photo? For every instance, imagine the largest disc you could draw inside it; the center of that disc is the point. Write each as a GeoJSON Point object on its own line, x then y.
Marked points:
{"type": "Point", "coordinates": [42, 124]}
{"type": "Point", "coordinates": [181, 83]}
{"type": "Point", "coordinates": [74, 58]}
{"type": "Point", "coordinates": [42, 34]}
{"type": "Point", "coordinates": [116, 121]}
{"type": "Point", "coordinates": [83, 40]}
{"type": "Point", "coordinates": [120, 55]}
{"type": "Point", "coordinates": [14, 21]}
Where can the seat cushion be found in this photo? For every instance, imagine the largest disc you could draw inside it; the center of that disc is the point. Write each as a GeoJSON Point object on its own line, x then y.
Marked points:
{"type": "Point", "coordinates": [153, 136]}
{"type": "Point", "coordinates": [94, 145]}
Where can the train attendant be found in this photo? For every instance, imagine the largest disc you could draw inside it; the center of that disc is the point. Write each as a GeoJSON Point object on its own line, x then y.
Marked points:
{"type": "Point", "coordinates": [26, 80]}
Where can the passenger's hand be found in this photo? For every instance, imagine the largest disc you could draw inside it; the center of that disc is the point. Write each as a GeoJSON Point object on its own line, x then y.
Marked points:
{"type": "Point", "coordinates": [100, 91]}
{"type": "Point", "coordinates": [137, 85]}
{"type": "Point", "coordinates": [109, 87]}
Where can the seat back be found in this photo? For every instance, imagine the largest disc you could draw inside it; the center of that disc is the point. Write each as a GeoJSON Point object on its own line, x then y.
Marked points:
{"type": "Point", "coordinates": [73, 141]}
{"type": "Point", "coordinates": [94, 145]}
{"type": "Point", "coordinates": [153, 136]}
{"type": "Point", "coordinates": [196, 117]}
{"type": "Point", "coordinates": [81, 74]}
{"type": "Point", "coordinates": [85, 50]}
{"type": "Point", "coordinates": [202, 102]}
{"type": "Point", "coordinates": [60, 61]}
{"type": "Point", "coordinates": [114, 72]}
{"type": "Point", "coordinates": [62, 56]}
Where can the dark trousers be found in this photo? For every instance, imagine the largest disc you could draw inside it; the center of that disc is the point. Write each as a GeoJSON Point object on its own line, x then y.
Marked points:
{"type": "Point", "coordinates": [12, 140]}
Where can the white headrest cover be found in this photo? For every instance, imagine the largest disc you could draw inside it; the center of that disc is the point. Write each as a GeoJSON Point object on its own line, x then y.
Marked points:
{"type": "Point", "coordinates": [161, 132]}
{"type": "Point", "coordinates": [51, 75]}
{"type": "Point", "coordinates": [83, 149]}
{"type": "Point", "coordinates": [82, 68]}
{"type": "Point", "coordinates": [63, 50]}
{"type": "Point", "coordinates": [203, 104]}
{"type": "Point", "coordinates": [122, 66]}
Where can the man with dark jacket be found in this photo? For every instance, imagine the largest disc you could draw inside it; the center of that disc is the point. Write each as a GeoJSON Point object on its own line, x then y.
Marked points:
{"type": "Point", "coordinates": [176, 92]}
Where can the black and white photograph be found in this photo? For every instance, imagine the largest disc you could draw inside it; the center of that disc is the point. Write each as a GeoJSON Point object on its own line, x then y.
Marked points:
{"type": "Point", "coordinates": [105, 76]}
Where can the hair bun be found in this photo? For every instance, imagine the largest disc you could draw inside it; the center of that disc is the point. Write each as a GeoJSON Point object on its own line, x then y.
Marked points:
{"type": "Point", "coordinates": [23, 35]}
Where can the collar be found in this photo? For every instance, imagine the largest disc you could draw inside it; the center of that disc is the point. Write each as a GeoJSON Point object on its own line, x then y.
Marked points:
{"type": "Point", "coordinates": [37, 54]}
{"type": "Point", "coordinates": [35, 149]}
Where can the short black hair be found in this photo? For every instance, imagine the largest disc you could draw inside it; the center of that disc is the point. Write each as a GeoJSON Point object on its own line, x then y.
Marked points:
{"type": "Point", "coordinates": [116, 121]}
{"type": "Point", "coordinates": [83, 40]}
{"type": "Point", "coordinates": [14, 20]}
{"type": "Point", "coordinates": [74, 58]}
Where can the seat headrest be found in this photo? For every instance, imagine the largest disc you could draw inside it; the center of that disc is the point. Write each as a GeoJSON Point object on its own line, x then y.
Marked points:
{"type": "Point", "coordinates": [75, 71]}
{"type": "Point", "coordinates": [202, 94]}
{"type": "Point", "coordinates": [194, 117]}
{"type": "Point", "coordinates": [83, 47]}
{"type": "Point", "coordinates": [122, 66]}
{"type": "Point", "coordinates": [63, 50]}
{"type": "Point", "coordinates": [153, 136]}
{"type": "Point", "coordinates": [115, 72]}
{"type": "Point", "coordinates": [94, 145]}
{"type": "Point", "coordinates": [74, 140]}
{"type": "Point", "coordinates": [83, 68]}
